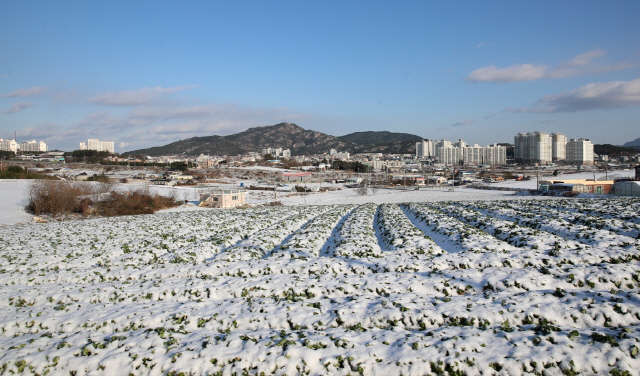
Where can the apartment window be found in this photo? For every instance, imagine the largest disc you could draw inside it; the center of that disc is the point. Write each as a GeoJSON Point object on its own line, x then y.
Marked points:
{"type": "Point", "coordinates": [234, 197]}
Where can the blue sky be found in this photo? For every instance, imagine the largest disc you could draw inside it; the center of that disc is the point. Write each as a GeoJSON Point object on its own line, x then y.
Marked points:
{"type": "Point", "coordinates": [147, 73]}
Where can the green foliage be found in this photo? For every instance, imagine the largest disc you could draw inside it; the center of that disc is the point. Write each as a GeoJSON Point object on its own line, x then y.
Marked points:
{"type": "Point", "coordinates": [17, 172]}
{"type": "Point", "coordinates": [180, 166]}
{"type": "Point", "coordinates": [350, 166]}
{"type": "Point", "coordinates": [89, 156]}
{"type": "Point", "coordinates": [4, 154]}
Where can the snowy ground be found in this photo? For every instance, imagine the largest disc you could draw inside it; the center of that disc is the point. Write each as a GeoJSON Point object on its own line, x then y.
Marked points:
{"type": "Point", "coordinates": [503, 287]}
{"type": "Point", "coordinates": [13, 199]}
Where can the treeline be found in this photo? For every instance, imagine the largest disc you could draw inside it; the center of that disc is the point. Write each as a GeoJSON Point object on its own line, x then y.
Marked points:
{"type": "Point", "coordinates": [17, 172]}
{"type": "Point", "coordinates": [88, 156]}
{"type": "Point", "coordinates": [350, 166]}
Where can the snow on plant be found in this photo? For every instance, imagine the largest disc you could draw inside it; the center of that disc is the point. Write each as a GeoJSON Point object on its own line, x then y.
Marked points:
{"type": "Point", "coordinates": [264, 241]}
{"type": "Point", "coordinates": [110, 296]}
{"type": "Point", "coordinates": [466, 237]}
{"type": "Point", "coordinates": [316, 236]}
{"type": "Point", "coordinates": [357, 238]}
{"type": "Point", "coordinates": [400, 235]}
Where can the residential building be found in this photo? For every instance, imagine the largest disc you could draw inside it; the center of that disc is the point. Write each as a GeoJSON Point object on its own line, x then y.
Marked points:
{"type": "Point", "coordinates": [426, 149]}
{"type": "Point", "coordinates": [388, 165]}
{"type": "Point", "coordinates": [533, 147]}
{"type": "Point", "coordinates": [558, 147]}
{"type": "Point", "coordinates": [580, 151]}
{"type": "Point", "coordinates": [95, 144]}
{"type": "Point", "coordinates": [473, 155]}
{"type": "Point", "coordinates": [449, 153]}
{"type": "Point", "coordinates": [9, 145]}
{"type": "Point", "coordinates": [221, 198]}
{"type": "Point", "coordinates": [578, 185]}
{"type": "Point", "coordinates": [277, 152]}
{"type": "Point", "coordinates": [33, 146]}
{"type": "Point", "coordinates": [494, 155]}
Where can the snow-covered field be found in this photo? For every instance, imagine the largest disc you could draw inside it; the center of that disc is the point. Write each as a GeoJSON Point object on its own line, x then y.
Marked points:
{"type": "Point", "coordinates": [436, 287]}
{"type": "Point", "coordinates": [13, 199]}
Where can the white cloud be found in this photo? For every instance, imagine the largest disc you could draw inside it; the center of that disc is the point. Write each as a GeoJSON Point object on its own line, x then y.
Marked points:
{"type": "Point", "coordinates": [579, 65]}
{"type": "Point", "coordinates": [136, 97]}
{"type": "Point", "coordinates": [585, 58]}
{"type": "Point", "coordinates": [149, 126]}
{"type": "Point", "coordinates": [30, 92]}
{"type": "Point", "coordinates": [598, 95]}
{"type": "Point", "coordinates": [16, 107]}
{"type": "Point", "coordinates": [464, 122]}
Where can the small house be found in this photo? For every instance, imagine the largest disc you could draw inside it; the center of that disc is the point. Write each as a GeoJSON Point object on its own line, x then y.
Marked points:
{"type": "Point", "coordinates": [222, 198]}
{"type": "Point", "coordinates": [296, 176]}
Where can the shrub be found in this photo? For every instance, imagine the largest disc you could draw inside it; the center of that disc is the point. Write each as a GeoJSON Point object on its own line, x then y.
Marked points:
{"type": "Point", "coordinates": [58, 198]}
{"type": "Point", "coordinates": [54, 197]}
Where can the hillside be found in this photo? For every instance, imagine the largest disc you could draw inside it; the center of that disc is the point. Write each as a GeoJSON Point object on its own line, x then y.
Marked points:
{"type": "Point", "coordinates": [633, 144]}
{"type": "Point", "coordinates": [283, 135]}
{"type": "Point", "coordinates": [287, 136]}
{"type": "Point", "coordinates": [613, 150]}
{"type": "Point", "coordinates": [379, 138]}
{"type": "Point", "coordinates": [382, 142]}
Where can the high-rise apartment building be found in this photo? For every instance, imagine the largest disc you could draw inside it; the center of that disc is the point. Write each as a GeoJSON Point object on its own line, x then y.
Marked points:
{"type": "Point", "coordinates": [580, 151]}
{"type": "Point", "coordinates": [494, 155]}
{"type": "Point", "coordinates": [449, 153]}
{"type": "Point", "coordinates": [9, 145]}
{"type": "Point", "coordinates": [39, 146]}
{"type": "Point", "coordinates": [558, 147]}
{"type": "Point", "coordinates": [426, 149]}
{"type": "Point", "coordinates": [533, 147]}
{"type": "Point", "coordinates": [95, 144]}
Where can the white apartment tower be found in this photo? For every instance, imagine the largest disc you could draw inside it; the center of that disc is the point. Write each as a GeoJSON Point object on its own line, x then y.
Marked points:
{"type": "Point", "coordinates": [580, 151]}
{"type": "Point", "coordinates": [425, 149]}
{"type": "Point", "coordinates": [9, 145]}
{"type": "Point", "coordinates": [494, 155]}
{"type": "Point", "coordinates": [450, 153]}
{"type": "Point", "coordinates": [558, 147]}
{"type": "Point", "coordinates": [95, 144]}
{"type": "Point", "coordinates": [33, 146]}
{"type": "Point", "coordinates": [277, 152]}
{"type": "Point", "coordinates": [534, 147]}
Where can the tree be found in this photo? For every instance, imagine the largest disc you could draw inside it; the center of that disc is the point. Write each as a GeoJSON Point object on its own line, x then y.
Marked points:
{"type": "Point", "coordinates": [90, 156]}
{"type": "Point", "coordinates": [5, 154]}
{"type": "Point", "coordinates": [179, 166]}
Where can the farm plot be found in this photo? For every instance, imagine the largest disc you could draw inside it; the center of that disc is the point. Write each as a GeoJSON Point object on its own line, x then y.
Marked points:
{"type": "Point", "coordinates": [342, 289]}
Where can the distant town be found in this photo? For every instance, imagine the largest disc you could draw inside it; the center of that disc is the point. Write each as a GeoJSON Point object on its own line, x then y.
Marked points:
{"type": "Point", "coordinates": [435, 162]}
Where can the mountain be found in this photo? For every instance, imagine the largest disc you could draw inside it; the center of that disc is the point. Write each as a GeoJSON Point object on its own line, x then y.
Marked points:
{"type": "Point", "coordinates": [379, 138]}
{"type": "Point", "coordinates": [632, 144]}
{"type": "Point", "coordinates": [287, 136]}
{"type": "Point", "coordinates": [283, 135]}
{"type": "Point", "coordinates": [613, 150]}
{"type": "Point", "coordinates": [382, 142]}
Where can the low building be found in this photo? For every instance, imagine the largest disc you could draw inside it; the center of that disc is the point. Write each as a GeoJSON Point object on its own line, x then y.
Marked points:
{"type": "Point", "coordinates": [296, 176]}
{"type": "Point", "coordinates": [578, 185]}
{"type": "Point", "coordinates": [436, 180]}
{"type": "Point", "coordinates": [222, 198]}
